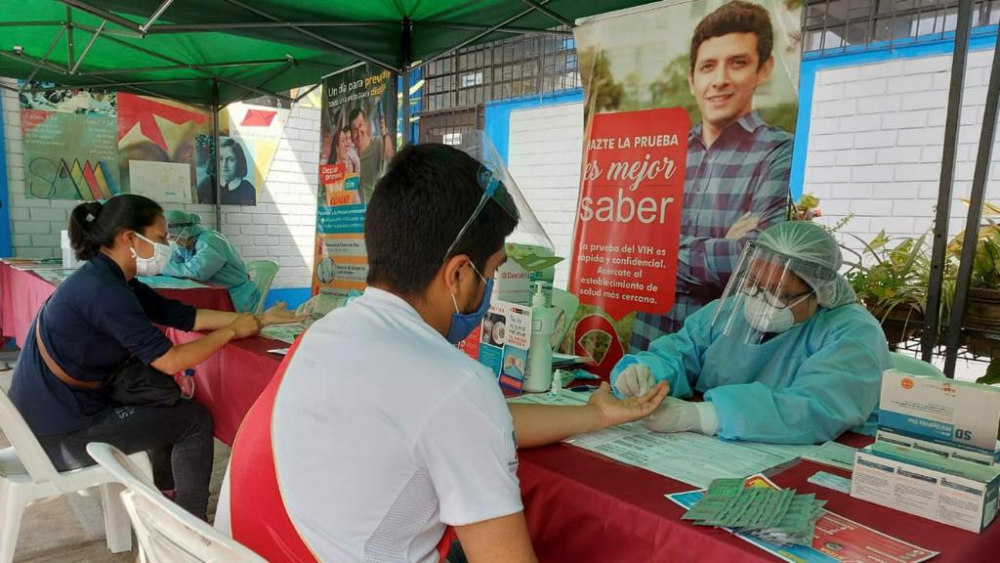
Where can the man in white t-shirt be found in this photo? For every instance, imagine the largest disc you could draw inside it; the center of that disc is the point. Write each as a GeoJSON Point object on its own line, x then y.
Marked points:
{"type": "Point", "coordinates": [378, 434]}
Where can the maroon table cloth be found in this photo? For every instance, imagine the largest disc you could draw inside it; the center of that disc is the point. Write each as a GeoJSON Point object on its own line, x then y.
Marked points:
{"type": "Point", "coordinates": [22, 293]}
{"type": "Point", "coordinates": [229, 382]}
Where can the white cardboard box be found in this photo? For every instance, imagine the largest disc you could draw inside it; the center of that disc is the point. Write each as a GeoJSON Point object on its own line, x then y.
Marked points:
{"type": "Point", "coordinates": [903, 479]}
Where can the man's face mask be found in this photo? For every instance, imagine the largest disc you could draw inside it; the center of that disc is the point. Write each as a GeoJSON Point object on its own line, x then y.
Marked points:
{"type": "Point", "coordinates": [462, 324]}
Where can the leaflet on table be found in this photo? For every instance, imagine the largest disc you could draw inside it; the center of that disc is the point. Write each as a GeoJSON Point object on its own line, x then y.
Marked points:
{"type": "Point", "coordinates": [165, 282]}
{"type": "Point", "coordinates": [691, 458]}
{"type": "Point", "coordinates": [501, 343]}
{"type": "Point", "coordinates": [286, 333]}
{"type": "Point", "coordinates": [953, 418]}
{"type": "Point", "coordinates": [836, 539]}
{"type": "Point", "coordinates": [833, 454]}
{"type": "Point", "coordinates": [55, 277]}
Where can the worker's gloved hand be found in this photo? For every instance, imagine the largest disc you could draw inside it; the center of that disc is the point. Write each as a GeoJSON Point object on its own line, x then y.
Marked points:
{"type": "Point", "coordinates": [677, 415]}
{"type": "Point", "coordinates": [635, 380]}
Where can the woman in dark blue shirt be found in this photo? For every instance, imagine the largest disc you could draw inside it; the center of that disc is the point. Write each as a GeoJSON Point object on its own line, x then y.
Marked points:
{"type": "Point", "coordinates": [100, 318]}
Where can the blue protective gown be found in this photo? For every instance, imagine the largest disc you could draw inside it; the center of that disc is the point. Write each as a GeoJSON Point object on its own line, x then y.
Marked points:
{"type": "Point", "coordinates": [214, 260]}
{"type": "Point", "coordinates": [803, 386]}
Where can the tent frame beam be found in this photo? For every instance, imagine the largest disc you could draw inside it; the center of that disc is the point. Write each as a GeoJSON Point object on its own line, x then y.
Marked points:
{"type": "Point", "coordinates": [511, 30]}
{"type": "Point", "coordinates": [165, 29]}
{"type": "Point", "coordinates": [144, 28]}
{"type": "Point", "coordinates": [45, 58]}
{"type": "Point", "coordinates": [315, 37]}
{"type": "Point", "coordinates": [549, 13]}
{"type": "Point", "coordinates": [484, 33]}
{"type": "Point", "coordinates": [974, 218]}
{"type": "Point", "coordinates": [103, 14]}
{"type": "Point", "coordinates": [186, 66]}
{"type": "Point", "coordinates": [83, 55]}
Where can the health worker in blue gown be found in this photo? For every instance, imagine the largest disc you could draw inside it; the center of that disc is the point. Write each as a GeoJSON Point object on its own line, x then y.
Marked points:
{"type": "Point", "coordinates": [785, 356]}
{"type": "Point", "coordinates": [205, 255]}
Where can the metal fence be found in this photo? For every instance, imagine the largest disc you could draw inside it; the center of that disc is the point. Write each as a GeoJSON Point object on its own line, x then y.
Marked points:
{"type": "Point", "coordinates": [858, 24]}
{"type": "Point", "coordinates": [457, 87]}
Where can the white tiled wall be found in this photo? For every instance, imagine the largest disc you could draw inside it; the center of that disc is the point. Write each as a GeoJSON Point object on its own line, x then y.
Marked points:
{"type": "Point", "coordinates": [876, 143]}
{"type": "Point", "coordinates": [545, 155]}
{"type": "Point", "coordinates": [281, 226]}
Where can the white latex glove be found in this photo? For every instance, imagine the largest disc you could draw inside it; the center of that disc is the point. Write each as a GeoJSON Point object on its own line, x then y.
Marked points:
{"type": "Point", "coordinates": [635, 380]}
{"type": "Point", "coordinates": [678, 415]}
{"type": "Point", "coordinates": [745, 224]}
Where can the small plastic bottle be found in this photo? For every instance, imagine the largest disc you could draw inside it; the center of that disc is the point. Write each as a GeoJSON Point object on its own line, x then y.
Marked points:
{"type": "Point", "coordinates": [186, 384]}
{"type": "Point", "coordinates": [539, 377]}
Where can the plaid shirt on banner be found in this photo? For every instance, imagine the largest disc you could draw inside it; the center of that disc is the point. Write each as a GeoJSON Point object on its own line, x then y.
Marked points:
{"type": "Point", "coordinates": [746, 171]}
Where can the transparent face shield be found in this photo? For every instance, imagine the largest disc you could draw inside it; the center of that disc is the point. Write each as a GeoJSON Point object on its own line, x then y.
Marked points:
{"type": "Point", "coordinates": [499, 187]}
{"type": "Point", "coordinates": [764, 297]}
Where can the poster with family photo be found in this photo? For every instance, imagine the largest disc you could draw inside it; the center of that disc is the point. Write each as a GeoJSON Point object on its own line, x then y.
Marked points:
{"type": "Point", "coordinates": [356, 145]}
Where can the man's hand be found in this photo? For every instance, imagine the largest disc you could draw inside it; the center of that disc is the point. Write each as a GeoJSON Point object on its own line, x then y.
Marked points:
{"type": "Point", "coordinates": [279, 314]}
{"type": "Point", "coordinates": [612, 411]}
{"type": "Point", "coordinates": [743, 225]}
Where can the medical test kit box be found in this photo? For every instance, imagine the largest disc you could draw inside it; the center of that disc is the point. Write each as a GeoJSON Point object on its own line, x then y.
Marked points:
{"type": "Point", "coordinates": [936, 453]}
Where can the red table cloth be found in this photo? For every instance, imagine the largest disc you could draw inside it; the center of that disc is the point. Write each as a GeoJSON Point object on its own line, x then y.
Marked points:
{"type": "Point", "coordinates": [229, 382]}
{"type": "Point", "coordinates": [22, 293]}
{"type": "Point", "coordinates": [582, 506]}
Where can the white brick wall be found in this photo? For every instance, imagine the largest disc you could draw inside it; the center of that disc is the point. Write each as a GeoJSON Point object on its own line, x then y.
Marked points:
{"type": "Point", "coordinates": [876, 142]}
{"type": "Point", "coordinates": [545, 155]}
{"type": "Point", "coordinates": [281, 227]}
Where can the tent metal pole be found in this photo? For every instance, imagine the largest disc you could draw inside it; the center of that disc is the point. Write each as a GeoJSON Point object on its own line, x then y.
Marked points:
{"type": "Point", "coordinates": [106, 83]}
{"type": "Point", "coordinates": [971, 239]}
{"type": "Point", "coordinates": [103, 14]}
{"type": "Point", "coordinates": [45, 57]}
{"type": "Point", "coordinates": [939, 244]}
{"type": "Point", "coordinates": [196, 68]}
{"type": "Point", "coordinates": [479, 36]}
{"type": "Point", "coordinates": [186, 66]}
{"type": "Point", "coordinates": [21, 57]}
{"type": "Point", "coordinates": [164, 29]}
{"type": "Point", "coordinates": [215, 155]}
{"type": "Point", "coordinates": [511, 30]}
{"type": "Point", "coordinates": [70, 43]}
{"type": "Point", "coordinates": [320, 38]}
{"type": "Point", "coordinates": [274, 74]}
{"type": "Point", "coordinates": [86, 49]}
{"type": "Point", "coordinates": [342, 70]}
{"type": "Point", "coordinates": [144, 28]}
{"type": "Point", "coordinates": [407, 45]}
{"type": "Point", "coordinates": [302, 96]}
{"type": "Point", "coordinates": [549, 13]}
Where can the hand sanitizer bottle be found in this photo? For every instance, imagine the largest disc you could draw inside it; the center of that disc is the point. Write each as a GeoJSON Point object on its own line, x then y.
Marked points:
{"type": "Point", "coordinates": [539, 377]}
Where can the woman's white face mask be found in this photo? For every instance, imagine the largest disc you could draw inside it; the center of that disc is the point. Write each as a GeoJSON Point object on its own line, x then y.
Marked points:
{"type": "Point", "coordinates": [153, 265]}
{"type": "Point", "coordinates": [762, 313]}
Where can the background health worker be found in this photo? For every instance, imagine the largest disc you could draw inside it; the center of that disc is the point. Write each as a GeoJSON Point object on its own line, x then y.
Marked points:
{"type": "Point", "coordinates": [206, 255]}
{"type": "Point", "coordinates": [785, 356]}
{"type": "Point", "coordinates": [98, 319]}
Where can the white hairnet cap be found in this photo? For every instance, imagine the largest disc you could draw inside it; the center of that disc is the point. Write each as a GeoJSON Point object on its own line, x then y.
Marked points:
{"type": "Point", "coordinates": [814, 256]}
{"type": "Point", "coordinates": [182, 224]}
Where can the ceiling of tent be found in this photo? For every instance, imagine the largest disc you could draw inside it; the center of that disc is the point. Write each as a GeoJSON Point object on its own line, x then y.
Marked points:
{"type": "Point", "coordinates": [252, 47]}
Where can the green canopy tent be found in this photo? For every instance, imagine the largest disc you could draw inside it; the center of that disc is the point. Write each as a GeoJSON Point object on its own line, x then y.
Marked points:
{"type": "Point", "coordinates": [215, 52]}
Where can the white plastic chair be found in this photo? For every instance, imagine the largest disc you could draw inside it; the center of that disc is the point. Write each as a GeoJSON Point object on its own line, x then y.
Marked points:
{"type": "Point", "coordinates": [166, 532]}
{"type": "Point", "coordinates": [261, 273]}
{"type": "Point", "coordinates": [27, 474]}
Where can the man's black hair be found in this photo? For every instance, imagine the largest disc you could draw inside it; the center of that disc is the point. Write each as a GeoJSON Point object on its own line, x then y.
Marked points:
{"type": "Point", "coordinates": [736, 17]}
{"type": "Point", "coordinates": [354, 115]}
{"type": "Point", "coordinates": [419, 207]}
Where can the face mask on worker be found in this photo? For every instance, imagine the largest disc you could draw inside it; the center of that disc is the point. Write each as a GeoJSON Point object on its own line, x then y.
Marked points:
{"type": "Point", "coordinates": [153, 265]}
{"type": "Point", "coordinates": [764, 313]}
{"type": "Point", "coordinates": [462, 324]}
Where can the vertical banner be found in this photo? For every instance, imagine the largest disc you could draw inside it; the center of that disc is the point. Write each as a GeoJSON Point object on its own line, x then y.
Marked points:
{"type": "Point", "coordinates": [248, 150]}
{"type": "Point", "coordinates": [356, 145]}
{"type": "Point", "coordinates": [69, 143]}
{"type": "Point", "coordinates": [705, 94]}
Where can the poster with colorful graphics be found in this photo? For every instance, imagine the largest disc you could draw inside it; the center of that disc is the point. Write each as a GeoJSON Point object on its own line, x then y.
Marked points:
{"type": "Point", "coordinates": [158, 142]}
{"type": "Point", "coordinates": [69, 143]}
{"type": "Point", "coordinates": [727, 73]}
{"type": "Point", "coordinates": [355, 148]}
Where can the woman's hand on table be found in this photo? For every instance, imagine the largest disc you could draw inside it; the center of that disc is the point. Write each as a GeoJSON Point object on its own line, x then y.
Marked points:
{"type": "Point", "coordinates": [279, 314]}
{"type": "Point", "coordinates": [612, 411]}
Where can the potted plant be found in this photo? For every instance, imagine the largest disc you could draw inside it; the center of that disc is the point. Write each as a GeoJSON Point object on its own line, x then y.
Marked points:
{"type": "Point", "coordinates": [890, 280]}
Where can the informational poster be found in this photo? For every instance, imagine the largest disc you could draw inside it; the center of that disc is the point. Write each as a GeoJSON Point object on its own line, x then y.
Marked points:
{"type": "Point", "coordinates": [69, 143]}
{"type": "Point", "coordinates": [157, 139]}
{"type": "Point", "coordinates": [501, 343]}
{"type": "Point", "coordinates": [711, 87]}
{"type": "Point", "coordinates": [355, 148]}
